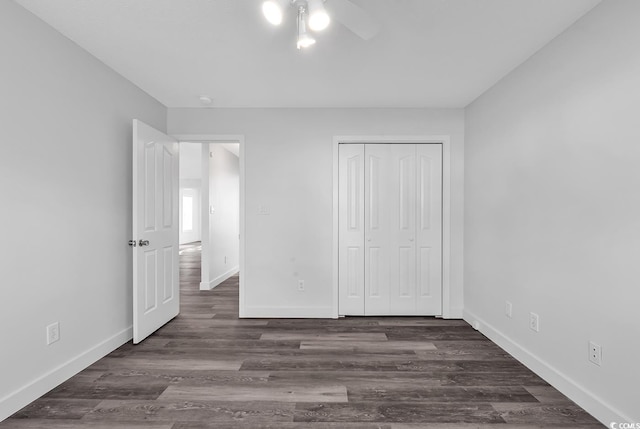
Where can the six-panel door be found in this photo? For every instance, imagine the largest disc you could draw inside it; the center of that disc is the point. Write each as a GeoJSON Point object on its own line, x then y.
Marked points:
{"type": "Point", "coordinates": [156, 297]}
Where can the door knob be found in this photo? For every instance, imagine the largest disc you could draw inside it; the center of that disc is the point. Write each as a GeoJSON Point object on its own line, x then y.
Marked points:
{"type": "Point", "coordinates": [132, 243]}
{"type": "Point", "coordinates": [143, 243]}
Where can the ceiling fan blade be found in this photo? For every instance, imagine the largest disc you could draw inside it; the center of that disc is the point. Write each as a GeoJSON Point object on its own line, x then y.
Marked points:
{"type": "Point", "coordinates": [355, 18]}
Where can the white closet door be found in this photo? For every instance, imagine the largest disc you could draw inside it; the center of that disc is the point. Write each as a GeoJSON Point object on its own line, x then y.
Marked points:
{"type": "Point", "coordinates": [390, 229]}
{"type": "Point", "coordinates": [429, 229]}
{"type": "Point", "coordinates": [351, 229]}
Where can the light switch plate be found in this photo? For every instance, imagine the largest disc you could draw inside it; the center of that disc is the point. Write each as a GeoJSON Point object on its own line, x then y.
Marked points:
{"type": "Point", "coordinates": [53, 333]}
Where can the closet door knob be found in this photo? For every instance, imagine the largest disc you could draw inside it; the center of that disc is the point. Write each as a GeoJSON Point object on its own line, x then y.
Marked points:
{"type": "Point", "coordinates": [143, 243]}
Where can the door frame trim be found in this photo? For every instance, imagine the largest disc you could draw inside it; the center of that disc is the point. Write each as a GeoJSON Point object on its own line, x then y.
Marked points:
{"type": "Point", "coordinates": [229, 138]}
{"type": "Point", "coordinates": [445, 140]}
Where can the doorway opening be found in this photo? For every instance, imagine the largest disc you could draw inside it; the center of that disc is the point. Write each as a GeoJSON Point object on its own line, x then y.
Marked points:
{"type": "Point", "coordinates": [190, 216]}
{"type": "Point", "coordinates": [209, 213]}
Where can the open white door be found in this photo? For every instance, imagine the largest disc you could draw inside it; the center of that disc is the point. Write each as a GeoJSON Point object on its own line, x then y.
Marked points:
{"type": "Point", "coordinates": [156, 287]}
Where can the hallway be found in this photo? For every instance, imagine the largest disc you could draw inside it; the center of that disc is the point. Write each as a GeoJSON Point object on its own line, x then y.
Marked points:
{"type": "Point", "coordinates": [209, 369]}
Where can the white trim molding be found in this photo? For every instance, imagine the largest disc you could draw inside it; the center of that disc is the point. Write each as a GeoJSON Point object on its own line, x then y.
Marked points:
{"type": "Point", "coordinates": [229, 138]}
{"type": "Point", "coordinates": [41, 385]}
{"type": "Point", "coordinates": [445, 140]}
{"type": "Point", "coordinates": [593, 404]}
{"type": "Point", "coordinates": [215, 282]}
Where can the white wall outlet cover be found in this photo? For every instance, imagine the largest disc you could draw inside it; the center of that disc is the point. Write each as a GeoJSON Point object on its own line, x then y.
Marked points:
{"type": "Point", "coordinates": [508, 309]}
{"type": "Point", "coordinates": [595, 353]}
{"type": "Point", "coordinates": [534, 322]}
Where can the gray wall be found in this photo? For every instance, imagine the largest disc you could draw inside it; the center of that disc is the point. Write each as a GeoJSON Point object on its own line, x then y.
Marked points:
{"type": "Point", "coordinates": [65, 182]}
{"type": "Point", "coordinates": [289, 168]}
{"type": "Point", "coordinates": [552, 210]}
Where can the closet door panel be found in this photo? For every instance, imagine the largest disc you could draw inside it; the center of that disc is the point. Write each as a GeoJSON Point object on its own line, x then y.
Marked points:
{"type": "Point", "coordinates": [351, 250]}
{"type": "Point", "coordinates": [429, 229]}
{"type": "Point", "coordinates": [402, 229]}
{"type": "Point", "coordinates": [377, 234]}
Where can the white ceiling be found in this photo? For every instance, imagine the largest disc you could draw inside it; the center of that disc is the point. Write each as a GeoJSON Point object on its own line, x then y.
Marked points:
{"type": "Point", "coordinates": [429, 53]}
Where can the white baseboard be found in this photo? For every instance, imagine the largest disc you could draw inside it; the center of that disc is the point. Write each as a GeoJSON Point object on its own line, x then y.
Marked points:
{"type": "Point", "coordinates": [593, 404]}
{"type": "Point", "coordinates": [288, 312]}
{"type": "Point", "coordinates": [215, 282]}
{"type": "Point", "coordinates": [38, 387]}
{"type": "Point", "coordinates": [307, 312]}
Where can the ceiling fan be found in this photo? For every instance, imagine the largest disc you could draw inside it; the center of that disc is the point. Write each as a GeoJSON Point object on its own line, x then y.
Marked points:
{"type": "Point", "coordinates": [313, 15]}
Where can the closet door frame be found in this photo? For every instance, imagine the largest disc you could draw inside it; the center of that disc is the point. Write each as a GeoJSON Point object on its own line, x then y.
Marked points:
{"type": "Point", "coordinates": [446, 206]}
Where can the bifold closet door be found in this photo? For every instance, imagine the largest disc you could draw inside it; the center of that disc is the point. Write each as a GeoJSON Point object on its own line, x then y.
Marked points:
{"type": "Point", "coordinates": [390, 229]}
{"type": "Point", "coordinates": [351, 229]}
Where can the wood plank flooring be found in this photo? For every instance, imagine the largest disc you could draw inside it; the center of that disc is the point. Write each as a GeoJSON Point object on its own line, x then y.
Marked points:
{"type": "Point", "coordinates": [209, 369]}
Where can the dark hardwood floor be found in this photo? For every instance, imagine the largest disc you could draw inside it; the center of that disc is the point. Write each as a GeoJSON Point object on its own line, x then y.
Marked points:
{"type": "Point", "coordinates": [209, 369]}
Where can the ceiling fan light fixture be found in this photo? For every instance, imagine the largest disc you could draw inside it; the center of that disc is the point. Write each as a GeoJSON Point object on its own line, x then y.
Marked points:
{"type": "Point", "coordinates": [273, 10]}
{"type": "Point", "coordinates": [304, 38]}
{"type": "Point", "coordinates": [318, 17]}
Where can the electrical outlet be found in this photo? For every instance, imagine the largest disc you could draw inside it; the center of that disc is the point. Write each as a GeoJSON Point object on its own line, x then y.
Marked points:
{"type": "Point", "coordinates": [595, 353]}
{"type": "Point", "coordinates": [225, 260]}
{"type": "Point", "coordinates": [508, 309]}
{"type": "Point", "coordinates": [534, 322]}
{"type": "Point", "coordinates": [300, 284]}
{"type": "Point", "coordinates": [53, 333]}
